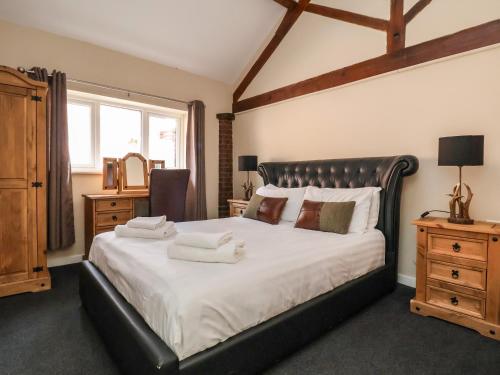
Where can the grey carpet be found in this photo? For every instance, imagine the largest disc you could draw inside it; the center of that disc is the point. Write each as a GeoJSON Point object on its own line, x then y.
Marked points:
{"type": "Point", "coordinates": [49, 333]}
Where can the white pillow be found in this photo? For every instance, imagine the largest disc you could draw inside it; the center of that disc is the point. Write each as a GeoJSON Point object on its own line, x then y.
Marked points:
{"type": "Point", "coordinates": [293, 204]}
{"type": "Point", "coordinates": [374, 208]}
{"type": "Point", "coordinates": [362, 197]}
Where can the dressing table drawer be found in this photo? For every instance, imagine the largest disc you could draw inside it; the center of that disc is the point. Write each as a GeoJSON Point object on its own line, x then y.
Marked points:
{"type": "Point", "coordinates": [104, 219]}
{"type": "Point", "coordinates": [104, 211]}
{"type": "Point", "coordinates": [113, 204]}
{"type": "Point", "coordinates": [100, 230]}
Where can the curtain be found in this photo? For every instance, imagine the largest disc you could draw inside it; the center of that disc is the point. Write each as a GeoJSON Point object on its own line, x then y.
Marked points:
{"type": "Point", "coordinates": [196, 199]}
{"type": "Point", "coordinates": [60, 218]}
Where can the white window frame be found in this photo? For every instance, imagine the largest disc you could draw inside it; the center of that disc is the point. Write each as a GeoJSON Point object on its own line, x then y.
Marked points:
{"type": "Point", "coordinates": [146, 110]}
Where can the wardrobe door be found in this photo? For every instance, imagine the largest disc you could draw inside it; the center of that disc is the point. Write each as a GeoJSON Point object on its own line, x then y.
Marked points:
{"type": "Point", "coordinates": [18, 222]}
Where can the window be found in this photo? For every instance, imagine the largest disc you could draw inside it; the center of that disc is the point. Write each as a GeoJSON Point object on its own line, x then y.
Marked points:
{"type": "Point", "coordinates": [80, 134]}
{"type": "Point", "coordinates": [120, 131]}
{"type": "Point", "coordinates": [163, 139]}
{"type": "Point", "coordinates": [101, 127]}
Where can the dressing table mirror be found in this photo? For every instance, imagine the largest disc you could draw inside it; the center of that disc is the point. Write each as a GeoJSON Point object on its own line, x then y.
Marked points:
{"type": "Point", "coordinates": [156, 164]}
{"type": "Point", "coordinates": [133, 173]}
{"type": "Point", "coordinates": [109, 173]}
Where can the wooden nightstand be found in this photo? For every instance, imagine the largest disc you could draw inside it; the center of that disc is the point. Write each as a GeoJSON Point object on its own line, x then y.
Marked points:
{"type": "Point", "coordinates": [237, 207]}
{"type": "Point", "coordinates": [458, 274]}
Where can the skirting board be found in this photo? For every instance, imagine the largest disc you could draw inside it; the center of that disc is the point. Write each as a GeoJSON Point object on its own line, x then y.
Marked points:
{"type": "Point", "coordinates": [407, 280]}
{"type": "Point", "coordinates": [64, 260]}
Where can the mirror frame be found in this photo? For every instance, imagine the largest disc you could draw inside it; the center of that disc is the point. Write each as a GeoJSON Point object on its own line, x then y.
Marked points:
{"type": "Point", "coordinates": [122, 186]}
{"type": "Point", "coordinates": [152, 163]}
{"type": "Point", "coordinates": [114, 172]}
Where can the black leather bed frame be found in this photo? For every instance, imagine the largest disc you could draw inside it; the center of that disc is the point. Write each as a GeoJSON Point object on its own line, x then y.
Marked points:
{"type": "Point", "coordinates": [137, 350]}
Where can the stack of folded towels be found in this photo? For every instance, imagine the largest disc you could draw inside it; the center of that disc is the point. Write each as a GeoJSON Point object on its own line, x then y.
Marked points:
{"type": "Point", "coordinates": [147, 227]}
{"type": "Point", "coordinates": [206, 247]}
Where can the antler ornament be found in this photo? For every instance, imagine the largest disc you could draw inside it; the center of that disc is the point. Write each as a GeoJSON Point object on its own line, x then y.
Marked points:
{"type": "Point", "coordinates": [459, 210]}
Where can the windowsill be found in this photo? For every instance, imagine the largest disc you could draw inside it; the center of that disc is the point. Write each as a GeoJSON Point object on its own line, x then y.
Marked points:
{"type": "Point", "coordinates": [86, 171]}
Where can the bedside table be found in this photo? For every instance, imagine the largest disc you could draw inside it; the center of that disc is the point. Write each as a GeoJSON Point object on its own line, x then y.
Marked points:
{"type": "Point", "coordinates": [237, 207]}
{"type": "Point", "coordinates": [458, 274]}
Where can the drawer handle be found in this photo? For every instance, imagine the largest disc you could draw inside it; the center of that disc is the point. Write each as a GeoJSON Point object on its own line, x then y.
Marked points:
{"type": "Point", "coordinates": [495, 239]}
{"type": "Point", "coordinates": [114, 217]}
{"type": "Point", "coordinates": [456, 247]}
{"type": "Point", "coordinates": [455, 274]}
{"type": "Point", "coordinates": [454, 301]}
{"type": "Point", "coordinates": [113, 204]}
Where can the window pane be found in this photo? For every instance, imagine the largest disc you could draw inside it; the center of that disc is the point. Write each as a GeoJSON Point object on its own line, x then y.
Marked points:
{"type": "Point", "coordinates": [163, 139]}
{"type": "Point", "coordinates": [80, 134]}
{"type": "Point", "coordinates": [120, 131]}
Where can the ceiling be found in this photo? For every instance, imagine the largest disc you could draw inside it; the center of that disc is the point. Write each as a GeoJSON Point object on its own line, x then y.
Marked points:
{"type": "Point", "coordinates": [215, 39]}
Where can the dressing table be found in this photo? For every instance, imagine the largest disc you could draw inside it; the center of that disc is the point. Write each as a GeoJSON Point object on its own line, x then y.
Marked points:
{"type": "Point", "coordinates": [104, 211]}
{"type": "Point", "coordinates": [130, 177]}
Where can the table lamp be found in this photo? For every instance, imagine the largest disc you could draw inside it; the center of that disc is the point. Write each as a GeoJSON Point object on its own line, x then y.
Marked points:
{"type": "Point", "coordinates": [247, 163]}
{"type": "Point", "coordinates": [460, 151]}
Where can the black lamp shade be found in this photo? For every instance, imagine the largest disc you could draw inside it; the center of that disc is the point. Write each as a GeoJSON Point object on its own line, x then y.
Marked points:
{"type": "Point", "coordinates": [461, 150]}
{"type": "Point", "coordinates": [247, 163]}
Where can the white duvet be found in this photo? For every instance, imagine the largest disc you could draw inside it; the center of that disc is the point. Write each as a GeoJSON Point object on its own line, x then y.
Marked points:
{"type": "Point", "coordinates": [193, 306]}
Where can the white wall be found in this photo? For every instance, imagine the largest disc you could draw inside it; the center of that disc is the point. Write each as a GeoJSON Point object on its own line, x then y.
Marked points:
{"type": "Point", "coordinates": [29, 47]}
{"type": "Point", "coordinates": [402, 112]}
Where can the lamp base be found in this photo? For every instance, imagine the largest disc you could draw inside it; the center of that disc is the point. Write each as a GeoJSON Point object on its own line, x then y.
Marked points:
{"type": "Point", "coordinates": [460, 220]}
{"type": "Point", "coordinates": [459, 209]}
{"type": "Point", "coordinates": [248, 190]}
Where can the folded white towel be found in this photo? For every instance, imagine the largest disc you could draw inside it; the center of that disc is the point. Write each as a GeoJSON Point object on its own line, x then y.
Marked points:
{"type": "Point", "coordinates": [162, 232]}
{"type": "Point", "coordinates": [150, 223]}
{"type": "Point", "coordinates": [203, 239]}
{"type": "Point", "coordinates": [231, 252]}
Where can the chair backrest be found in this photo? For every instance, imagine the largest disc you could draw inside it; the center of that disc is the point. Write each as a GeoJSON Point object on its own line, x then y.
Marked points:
{"type": "Point", "coordinates": [167, 195]}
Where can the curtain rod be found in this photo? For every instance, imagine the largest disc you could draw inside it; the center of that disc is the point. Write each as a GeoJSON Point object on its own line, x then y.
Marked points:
{"type": "Point", "coordinates": [22, 70]}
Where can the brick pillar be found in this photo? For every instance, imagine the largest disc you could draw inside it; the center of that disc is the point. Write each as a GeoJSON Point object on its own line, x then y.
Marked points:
{"type": "Point", "coordinates": [225, 161]}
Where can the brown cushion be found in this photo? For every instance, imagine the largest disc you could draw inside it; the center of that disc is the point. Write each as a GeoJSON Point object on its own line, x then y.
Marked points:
{"type": "Point", "coordinates": [326, 216]}
{"type": "Point", "coordinates": [265, 209]}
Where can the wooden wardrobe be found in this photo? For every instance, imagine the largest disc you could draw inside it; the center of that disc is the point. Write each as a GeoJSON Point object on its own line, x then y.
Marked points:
{"type": "Point", "coordinates": [23, 181]}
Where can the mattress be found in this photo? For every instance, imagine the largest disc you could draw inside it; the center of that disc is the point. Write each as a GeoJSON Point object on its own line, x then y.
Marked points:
{"type": "Point", "coordinates": [193, 306]}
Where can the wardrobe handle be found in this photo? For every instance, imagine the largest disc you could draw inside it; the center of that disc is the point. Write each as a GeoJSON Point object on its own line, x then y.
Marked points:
{"type": "Point", "coordinates": [456, 247]}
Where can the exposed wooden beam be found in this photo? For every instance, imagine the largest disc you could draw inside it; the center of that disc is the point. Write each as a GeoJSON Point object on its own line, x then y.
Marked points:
{"type": "Point", "coordinates": [341, 15]}
{"type": "Point", "coordinates": [397, 27]}
{"type": "Point", "coordinates": [287, 3]}
{"type": "Point", "coordinates": [416, 9]}
{"type": "Point", "coordinates": [288, 21]}
{"type": "Point", "coordinates": [346, 16]}
{"type": "Point", "coordinates": [462, 41]}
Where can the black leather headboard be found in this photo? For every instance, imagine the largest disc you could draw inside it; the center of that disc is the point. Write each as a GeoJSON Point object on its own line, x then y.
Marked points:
{"type": "Point", "coordinates": [386, 172]}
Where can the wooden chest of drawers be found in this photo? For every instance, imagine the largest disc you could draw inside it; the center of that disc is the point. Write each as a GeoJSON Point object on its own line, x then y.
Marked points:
{"type": "Point", "coordinates": [237, 207]}
{"type": "Point", "coordinates": [458, 274]}
{"type": "Point", "coordinates": [104, 211]}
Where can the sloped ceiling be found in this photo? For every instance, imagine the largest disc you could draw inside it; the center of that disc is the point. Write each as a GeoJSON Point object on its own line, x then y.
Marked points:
{"type": "Point", "coordinates": [218, 39]}
{"type": "Point", "coordinates": [212, 38]}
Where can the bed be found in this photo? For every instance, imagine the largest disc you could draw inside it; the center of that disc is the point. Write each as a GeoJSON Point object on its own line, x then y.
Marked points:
{"type": "Point", "coordinates": [316, 288]}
